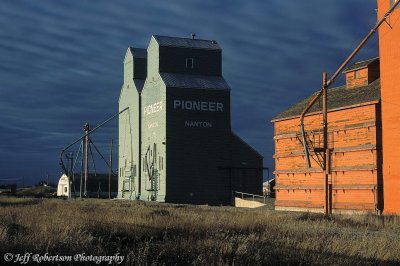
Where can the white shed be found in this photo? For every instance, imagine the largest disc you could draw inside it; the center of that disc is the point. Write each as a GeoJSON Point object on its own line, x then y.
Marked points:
{"type": "Point", "coordinates": [64, 188]}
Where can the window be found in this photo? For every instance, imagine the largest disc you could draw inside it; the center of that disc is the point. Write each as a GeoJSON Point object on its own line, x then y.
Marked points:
{"type": "Point", "coordinates": [65, 189]}
{"type": "Point", "coordinates": [189, 63]}
{"type": "Point", "coordinates": [357, 74]}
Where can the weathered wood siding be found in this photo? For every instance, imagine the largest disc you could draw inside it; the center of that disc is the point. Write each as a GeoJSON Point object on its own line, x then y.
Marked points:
{"type": "Point", "coordinates": [357, 78]}
{"type": "Point", "coordinates": [355, 160]}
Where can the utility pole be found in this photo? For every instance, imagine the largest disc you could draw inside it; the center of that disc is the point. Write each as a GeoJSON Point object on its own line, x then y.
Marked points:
{"type": "Point", "coordinates": [110, 172]}
{"type": "Point", "coordinates": [326, 168]}
{"type": "Point", "coordinates": [323, 92]}
{"type": "Point", "coordinates": [80, 184]}
{"type": "Point", "coordinates": [87, 139]}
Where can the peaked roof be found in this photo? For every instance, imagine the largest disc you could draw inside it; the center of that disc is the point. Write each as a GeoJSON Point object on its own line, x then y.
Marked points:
{"type": "Point", "coordinates": [139, 84]}
{"type": "Point", "coordinates": [337, 98]}
{"type": "Point", "coordinates": [186, 42]}
{"type": "Point", "coordinates": [138, 52]}
{"type": "Point", "coordinates": [361, 64]}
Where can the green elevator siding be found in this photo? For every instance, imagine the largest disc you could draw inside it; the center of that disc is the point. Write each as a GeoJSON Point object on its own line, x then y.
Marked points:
{"type": "Point", "coordinates": [194, 163]}
{"type": "Point", "coordinates": [153, 132]}
{"type": "Point", "coordinates": [152, 59]}
{"type": "Point", "coordinates": [128, 148]}
{"type": "Point", "coordinates": [129, 124]}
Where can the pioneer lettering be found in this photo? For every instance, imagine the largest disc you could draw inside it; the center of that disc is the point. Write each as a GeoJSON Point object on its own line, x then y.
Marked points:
{"type": "Point", "coordinates": [153, 108]}
{"type": "Point", "coordinates": [199, 106]}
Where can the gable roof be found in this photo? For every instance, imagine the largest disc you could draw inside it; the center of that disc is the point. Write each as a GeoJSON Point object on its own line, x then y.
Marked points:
{"type": "Point", "coordinates": [138, 52]}
{"type": "Point", "coordinates": [361, 64]}
{"type": "Point", "coordinates": [337, 97]}
{"type": "Point", "coordinates": [186, 42]}
{"type": "Point", "coordinates": [139, 84]}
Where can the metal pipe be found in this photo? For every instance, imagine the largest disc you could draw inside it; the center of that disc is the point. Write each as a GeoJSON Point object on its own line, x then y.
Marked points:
{"type": "Point", "coordinates": [323, 91]}
{"type": "Point", "coordinates": [357, 49]}
{"type": "Point", "coordinates": [101, 156]}
{"type": "Point", "coordinates": [110, 172]}
{"type": "Point", "coordinates": [93, 130]}
{"type": "Point", "coordinates": [349, 58]}
{"type": "Point", "coordinates": [305, 144]}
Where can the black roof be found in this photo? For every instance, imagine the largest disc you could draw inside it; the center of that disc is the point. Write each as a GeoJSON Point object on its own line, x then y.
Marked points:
{"type": "Point", "coordinates": [186, 42]}
{"type": "Point", "coordinates": [139, 84]}
{"type": "Point", "coordinates": [337, 98]}
{"type": "Point", "coordinates": [138, 52]}
{"type": "Point", "coordinates": [361, 64]}
{"type": "Point", "coordinates": [194, 81]}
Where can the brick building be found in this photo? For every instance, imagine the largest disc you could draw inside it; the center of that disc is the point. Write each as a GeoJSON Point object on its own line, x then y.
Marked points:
{"type": "Point", "coordinates": [354, 137]}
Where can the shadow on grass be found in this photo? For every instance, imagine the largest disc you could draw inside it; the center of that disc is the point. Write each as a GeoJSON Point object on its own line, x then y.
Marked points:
{"type": "Point", "coordinates": [22, 203]}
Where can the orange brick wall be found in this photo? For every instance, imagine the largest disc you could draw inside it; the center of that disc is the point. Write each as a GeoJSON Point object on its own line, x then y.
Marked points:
{"type": "Point", "coordinates": [389, 50]}
{"type": "Point", "coordinates": [354, 137]}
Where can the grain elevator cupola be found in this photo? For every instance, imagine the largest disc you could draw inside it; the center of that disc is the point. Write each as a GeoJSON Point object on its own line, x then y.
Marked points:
{"type": "Point", "coordinates": [362, 73]}
{"type": "Point", "coordinates": [135, 64]}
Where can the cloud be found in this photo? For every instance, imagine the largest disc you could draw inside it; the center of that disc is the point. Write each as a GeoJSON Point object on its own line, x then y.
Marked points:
{"type": "Point", "coordinates": [61, 61]}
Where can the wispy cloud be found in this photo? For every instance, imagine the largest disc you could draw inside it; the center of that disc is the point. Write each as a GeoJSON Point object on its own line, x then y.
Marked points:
{"type": "Point", "coordinates": [61, 62]}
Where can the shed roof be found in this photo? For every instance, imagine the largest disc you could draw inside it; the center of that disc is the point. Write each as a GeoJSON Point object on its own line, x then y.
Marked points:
{"type": "Point", "coordinates": [337, 98]}
{"type": "Point", "coordinates": [194, 81]}
{"type": "Point", "coordinates": [138, 52]}
{"type": "Point", "coordinates": [361, 64]}
{"type": "Point", "coordinates": [186, 42]}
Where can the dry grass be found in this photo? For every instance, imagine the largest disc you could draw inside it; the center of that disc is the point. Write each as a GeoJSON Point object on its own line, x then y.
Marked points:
{"type": "Point", "coordinates": [150, 233]}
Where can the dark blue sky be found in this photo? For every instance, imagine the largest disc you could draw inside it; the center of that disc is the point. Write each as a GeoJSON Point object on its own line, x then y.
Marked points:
{"type": "Point", "coordinates": [61, 64]}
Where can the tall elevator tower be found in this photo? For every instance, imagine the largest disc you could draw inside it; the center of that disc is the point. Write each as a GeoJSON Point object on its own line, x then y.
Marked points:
{"type": "Point", "coordinates": [389, 49]}
{"type": "Point", "coordinates": [135, 68]}
{"type": "Point", "coordinates": [175, 142]}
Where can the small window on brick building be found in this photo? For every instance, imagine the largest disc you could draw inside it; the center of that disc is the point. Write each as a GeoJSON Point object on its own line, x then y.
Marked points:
{"type": "Point", "coordinates": [189, 62]}
{"type": "Point", "coordinates": [357, 74]}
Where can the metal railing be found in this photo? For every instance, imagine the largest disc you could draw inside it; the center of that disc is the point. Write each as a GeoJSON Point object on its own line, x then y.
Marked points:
{"type": "Point", "coordinates": [250, 196]}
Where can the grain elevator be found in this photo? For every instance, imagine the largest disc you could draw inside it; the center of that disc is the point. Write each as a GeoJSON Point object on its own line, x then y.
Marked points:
{"type": "Point", "coordinates": [175, 141]}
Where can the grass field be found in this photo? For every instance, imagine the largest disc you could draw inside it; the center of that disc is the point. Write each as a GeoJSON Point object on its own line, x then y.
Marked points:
{"type": "Point", "coordinates": [157, 234]}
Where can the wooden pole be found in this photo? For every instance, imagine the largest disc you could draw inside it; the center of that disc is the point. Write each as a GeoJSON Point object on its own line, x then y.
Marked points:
{"type": "Point", "coordinates": [80, 184]}
{"type": "Point", "coordinates": [87, 129]}
{"type": "Point", "coordinates": [326, 148]}
{"type": "Point", "coordinates": [110, 172]}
